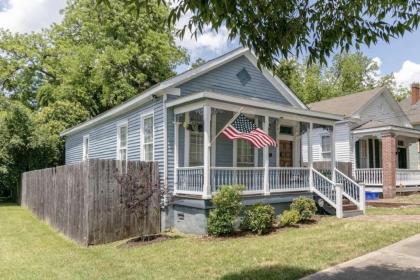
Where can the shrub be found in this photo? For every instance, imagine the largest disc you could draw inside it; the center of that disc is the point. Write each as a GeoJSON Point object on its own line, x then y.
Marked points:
{"type": "Point", "coordinates": [305, 207]}
{"type": "Point", "coordinates": [228, 206]}
{"type": "Point", "coordinates": [259, 218]}
{"type": "Point", "coordinates": [289, 218]}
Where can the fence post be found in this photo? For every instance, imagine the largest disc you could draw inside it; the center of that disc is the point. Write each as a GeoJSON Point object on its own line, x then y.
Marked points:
{"type": "Point", "coordinates": [362, 198]}
{"type": "Point", "coordinates": [339, 200]}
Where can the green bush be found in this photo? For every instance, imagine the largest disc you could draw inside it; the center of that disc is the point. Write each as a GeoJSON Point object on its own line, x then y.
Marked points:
{"type": "Point", "coordinates": [305, 207]}
{"type": "Point", "coordinates": [289, 218]}
{"type": "Point", "coordinates": [259, 218]}
{"type": "Point", "coordinates": [228, 206]}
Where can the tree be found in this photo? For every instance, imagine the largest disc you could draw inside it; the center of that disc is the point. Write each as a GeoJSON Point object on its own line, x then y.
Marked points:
{"type": "Point", "coordinates": [275, 29]}
{"type": "Point", "coordinates": [348, 73]}
{"type": "Point", "coordinates": [65, 74]}
{"type": "Point", "coordinates": [95, 58]}
{"type": "Point", "coordinates": [198, 62]}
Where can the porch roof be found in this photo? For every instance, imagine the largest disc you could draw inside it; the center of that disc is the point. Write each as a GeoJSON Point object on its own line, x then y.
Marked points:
{"type": "Point", "coordinates": [375, 127]}
{"type": "Point", "coordinates": [235, 102]}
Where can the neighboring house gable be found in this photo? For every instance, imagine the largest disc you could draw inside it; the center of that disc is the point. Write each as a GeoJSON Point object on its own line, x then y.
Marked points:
{"type": "Point", "coordinates": [368, 109]}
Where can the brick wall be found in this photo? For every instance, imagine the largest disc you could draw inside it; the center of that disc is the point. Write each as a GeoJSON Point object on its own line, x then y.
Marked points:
{"type": "Point", "coordinates": [389, 165]}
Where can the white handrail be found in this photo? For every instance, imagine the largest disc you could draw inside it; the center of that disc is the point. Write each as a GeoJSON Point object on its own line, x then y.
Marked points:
{"type": "Point", "coordinates": [351, 190]}
{"type": "Point", "coordinates": [408, 177]}
{"type": "Point", "coordinates": [324, 187]}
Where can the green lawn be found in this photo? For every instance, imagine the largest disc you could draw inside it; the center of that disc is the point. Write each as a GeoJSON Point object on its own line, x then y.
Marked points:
{"type": "Point", "coordinates": [393, 211]}
{"type": "Point", "coordinates": [30, 249]}
{"type": "Point", "coordinates": [413, 198]}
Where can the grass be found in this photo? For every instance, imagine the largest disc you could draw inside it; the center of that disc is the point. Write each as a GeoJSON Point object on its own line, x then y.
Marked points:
{"type": "Point", "coordinates": [30, 249]}
{"type": "Point", "coordinates": [413, 198]}
{"type": "Point", "coordinates": [393, 211]}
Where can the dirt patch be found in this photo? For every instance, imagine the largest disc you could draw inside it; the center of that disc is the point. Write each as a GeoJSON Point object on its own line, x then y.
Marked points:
{"type": "Point", "coordinates": [143, 241]}
{"type": "Point", "coordinates": [388, 204]}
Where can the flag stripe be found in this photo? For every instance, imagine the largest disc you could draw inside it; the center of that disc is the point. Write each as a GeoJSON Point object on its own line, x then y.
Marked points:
{"type": "Point", "coordinates": [232, 134]}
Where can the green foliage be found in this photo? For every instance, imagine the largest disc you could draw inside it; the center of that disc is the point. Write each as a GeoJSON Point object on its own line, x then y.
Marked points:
{"type": "Point", "coordinates": [228, 206]}
{"type": "Point", "coordinates": [306, 208]}
{"type": "Point", "coordinates": [348, 73]}
{"type": "Point", "coordinates": [259, 218]}
{"type": "Point", "coordinates": [65, 74]}
{"type": "Point", "coordinates": [281, 28]}
{"type": "Point", "coordinates": [289, 218]}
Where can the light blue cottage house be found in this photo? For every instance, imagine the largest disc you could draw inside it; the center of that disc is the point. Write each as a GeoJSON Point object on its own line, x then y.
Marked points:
{"type": "Point", "coordinates": [175, 123]}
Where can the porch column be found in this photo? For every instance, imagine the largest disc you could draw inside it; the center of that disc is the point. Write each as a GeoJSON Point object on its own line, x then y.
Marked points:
{"type": "Point", "coordinates": [333, 154]}
{"type": "Point", "coordinates": [176, 156]}
{"type": "Point", "coordinates": [389, 165]}
{"type": "Point", "coordinates": [310, 161]}
{"type": "Point", "coordinates": [266, 160]}
{"type": "Point", "coordinates": [206, 156]}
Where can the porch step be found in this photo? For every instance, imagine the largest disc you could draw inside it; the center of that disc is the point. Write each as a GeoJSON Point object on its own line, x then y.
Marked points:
{"type": "Point", "coordinates": [349, 207]}
{"type": "Point", "coordinates": [352, 213]}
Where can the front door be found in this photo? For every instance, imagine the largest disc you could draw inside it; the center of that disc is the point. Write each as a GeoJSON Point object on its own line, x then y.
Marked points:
{"type": "Point", "coordinates": [286, 153]}
{"type": "Point", "coordinates": [402, 158]}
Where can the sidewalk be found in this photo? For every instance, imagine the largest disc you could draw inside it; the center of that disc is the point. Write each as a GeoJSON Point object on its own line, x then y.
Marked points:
{"type": "Point", "coordinates": [397, 261]}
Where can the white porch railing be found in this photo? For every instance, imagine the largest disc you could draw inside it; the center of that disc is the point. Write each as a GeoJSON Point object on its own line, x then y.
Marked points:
{"type": "Point", "coordinates": [351, 190]}
{"type": "Point", "coordinates": [280, 179]}
{"type": "Point", "coordinates": [284, 179]}
{"type": "Point", "coordinates": [324, 187]}
{"type": "Point", "coordinates": [369, 176]}
{"type": "Point", "coordinates": [408, 177]}
{"type": "Point", "coordinates": [252, 178]}
{"type": "Point", "coordinates": [190, 180]}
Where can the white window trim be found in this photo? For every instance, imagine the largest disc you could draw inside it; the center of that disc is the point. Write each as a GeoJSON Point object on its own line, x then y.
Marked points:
{"type": "Point", "coordinates": [119, 125]}
{"type": "Point", "coordinates": [145, 115]}
{"type": "Point", "coordinates": [85, 155]}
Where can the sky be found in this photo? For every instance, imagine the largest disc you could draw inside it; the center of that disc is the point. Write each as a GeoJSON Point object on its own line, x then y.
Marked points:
{"type": "Point", "coordinates": [401, 56]}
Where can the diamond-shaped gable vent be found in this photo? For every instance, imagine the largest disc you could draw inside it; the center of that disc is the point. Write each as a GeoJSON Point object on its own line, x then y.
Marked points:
{"type": "Point", "coordinates": [243, 76]}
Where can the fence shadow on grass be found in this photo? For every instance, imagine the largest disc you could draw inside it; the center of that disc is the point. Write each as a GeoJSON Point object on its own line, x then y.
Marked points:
{"type": "Point", "coordinates": [283, 272]}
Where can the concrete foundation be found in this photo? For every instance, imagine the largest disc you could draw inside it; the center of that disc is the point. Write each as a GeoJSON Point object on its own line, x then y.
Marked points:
{"type": "Point", "coordinates": [189, 215]}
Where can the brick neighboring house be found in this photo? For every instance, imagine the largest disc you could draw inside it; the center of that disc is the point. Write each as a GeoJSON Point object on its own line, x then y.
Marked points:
{"type": "Point", "coordinates": [377, 139]}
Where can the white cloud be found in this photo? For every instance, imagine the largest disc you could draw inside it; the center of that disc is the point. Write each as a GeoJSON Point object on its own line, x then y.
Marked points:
{"type": "Point", "coordinates": [30, 15]}
{"type": "Point", "coordinates": [209, 41]}
{"type": "Point", "coordinates": [409, 73]}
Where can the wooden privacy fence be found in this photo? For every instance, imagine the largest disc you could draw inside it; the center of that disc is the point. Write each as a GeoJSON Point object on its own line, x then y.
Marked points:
{"type": "Point", "coordinates": [85, 201]}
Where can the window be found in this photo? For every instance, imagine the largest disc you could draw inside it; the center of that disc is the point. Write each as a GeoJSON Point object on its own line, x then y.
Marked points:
{"type": "Point", "coordinates": [196, 138]}
{"type": "Point", "coordinates": [326, 143]}
{"type": "Point", "coordinates": [147, 153]}
{"type": "Point", "coordinates": [85, 147]}
{"type": "Point", "coordinates": [196, 148]}
{"type": "Point", "coordinates": [245, 155]}
{"type": "Point", "coordinates": [122, 141]}
{"type": "Point", "coordinates": [288, 130]}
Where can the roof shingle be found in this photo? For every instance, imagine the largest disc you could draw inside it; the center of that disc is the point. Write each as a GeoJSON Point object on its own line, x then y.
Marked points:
{"type": "Point", "coordinates": [345, 105]}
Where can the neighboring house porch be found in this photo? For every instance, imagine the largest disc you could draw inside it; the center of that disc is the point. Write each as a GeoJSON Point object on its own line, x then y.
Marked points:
{"type": "Point", "coordinates": [381, 155]}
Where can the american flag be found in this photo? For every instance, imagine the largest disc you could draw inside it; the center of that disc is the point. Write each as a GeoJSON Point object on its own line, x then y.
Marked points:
{"type": "Point", "coordinates": [243, 128]}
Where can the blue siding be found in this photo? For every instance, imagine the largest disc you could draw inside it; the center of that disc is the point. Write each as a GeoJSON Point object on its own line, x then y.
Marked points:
{"type": "Point", "coordinates": [103, 137]}
{"type": "Point", "coordinates": [224, 80]}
